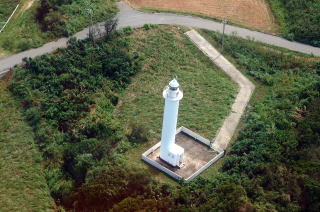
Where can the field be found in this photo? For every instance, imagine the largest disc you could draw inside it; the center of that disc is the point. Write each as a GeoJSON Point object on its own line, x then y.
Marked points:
{"type": "Point", "coordinates": [251, 13]}
{"type": "Point", "coordinates": [22, 183]}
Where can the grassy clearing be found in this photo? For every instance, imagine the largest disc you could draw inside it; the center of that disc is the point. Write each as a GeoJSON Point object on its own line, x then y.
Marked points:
{"type": "Point", "coordinates": [22, 183]}
{"type": "Point", "coordinates": [208, 92]}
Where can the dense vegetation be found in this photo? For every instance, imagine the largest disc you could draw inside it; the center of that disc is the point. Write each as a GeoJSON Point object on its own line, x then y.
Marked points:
{"type": "Point", "coordinates": [65, 17]}
{"type": "Point", "coordinates": [22, 183]}
{"type": "Point", "coordinates": [69, 99]}
{"type": "Point", "coordinates": [299, 19]}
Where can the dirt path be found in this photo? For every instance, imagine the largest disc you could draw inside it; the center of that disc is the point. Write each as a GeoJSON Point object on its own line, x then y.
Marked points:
{"type": "Point", "coordinates": [252, 13]}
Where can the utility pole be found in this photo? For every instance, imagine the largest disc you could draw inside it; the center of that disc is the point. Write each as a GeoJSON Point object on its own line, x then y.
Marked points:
{"type": "Point", "coordinates": [224, 22]}
{"type": "Point", "coordinates": [91, 30]}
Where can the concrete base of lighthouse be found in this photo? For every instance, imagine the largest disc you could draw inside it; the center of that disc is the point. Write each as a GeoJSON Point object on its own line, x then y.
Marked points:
{"type": "Point", "coordinates": [198, 156]}
{"type": "Point", "coordinates": [174, 156]}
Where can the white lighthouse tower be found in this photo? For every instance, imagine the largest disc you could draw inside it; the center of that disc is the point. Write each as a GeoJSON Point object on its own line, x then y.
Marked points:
{"type": "Point", "coordinates": [169, 151]}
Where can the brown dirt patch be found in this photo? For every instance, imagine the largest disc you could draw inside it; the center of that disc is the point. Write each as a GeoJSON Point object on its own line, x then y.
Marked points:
{"type": "Point", "coordinates": [252, 13]}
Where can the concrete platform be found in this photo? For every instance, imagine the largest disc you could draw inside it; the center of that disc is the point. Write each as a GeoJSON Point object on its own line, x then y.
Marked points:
{"type": "Point", "coordinates": [198, 155]}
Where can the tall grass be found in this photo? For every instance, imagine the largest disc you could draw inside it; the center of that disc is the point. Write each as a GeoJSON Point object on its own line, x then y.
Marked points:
{"type": "Point", "coordinates": [22, 183]}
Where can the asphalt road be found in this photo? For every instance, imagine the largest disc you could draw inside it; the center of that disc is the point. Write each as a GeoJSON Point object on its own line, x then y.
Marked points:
{"type": "Point", "coordinates": [129, 17]}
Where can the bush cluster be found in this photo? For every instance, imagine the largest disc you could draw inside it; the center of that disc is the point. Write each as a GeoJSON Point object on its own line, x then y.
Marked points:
{"type": "Point", "coordinates": [299, 19]}
{"type": "Point", "coordinates": [68, 98]}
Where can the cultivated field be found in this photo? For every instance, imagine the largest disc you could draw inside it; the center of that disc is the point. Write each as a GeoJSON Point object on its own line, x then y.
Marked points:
{"type": "Point", "coordinates": [251, 13]}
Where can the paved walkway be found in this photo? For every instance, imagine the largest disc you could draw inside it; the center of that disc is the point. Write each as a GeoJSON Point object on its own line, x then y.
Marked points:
{"type": "Point", "coordinates": [129, 17]}
{"type": "Point", "coordinates": [246, 89]}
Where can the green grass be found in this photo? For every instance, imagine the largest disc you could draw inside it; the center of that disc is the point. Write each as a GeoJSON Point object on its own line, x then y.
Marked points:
{"type": "Point", "coordinates": [22, 183]}
{"type": "Point", "coordinates": [208, 92]}
{"type": "Point", "coordinates": [6, 8]}
{"type": "Point", "coordinates": [258, 92]}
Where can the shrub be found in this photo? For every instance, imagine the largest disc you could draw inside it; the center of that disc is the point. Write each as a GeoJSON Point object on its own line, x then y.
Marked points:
{"type": "Point", "coordinates": [33, 116]}
{"type": "Point", "coordinates": [109, 184]}
{"type": "Point", "coordinates": [149, 26]}
{"type": "Point", "coordinates": [139, 133]}
{"type": "Point", "coordinates": [280, 132]}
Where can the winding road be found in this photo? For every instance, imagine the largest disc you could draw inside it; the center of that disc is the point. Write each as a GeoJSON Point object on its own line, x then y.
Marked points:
{"type": "Point", "coordinates": [130, 17]}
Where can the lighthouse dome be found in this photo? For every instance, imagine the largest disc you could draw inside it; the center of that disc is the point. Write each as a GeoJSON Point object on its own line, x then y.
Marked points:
{"type": "Point", "coordinates": [172, 92]}
{"type": "Point", "coordinates": [173, 84]}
